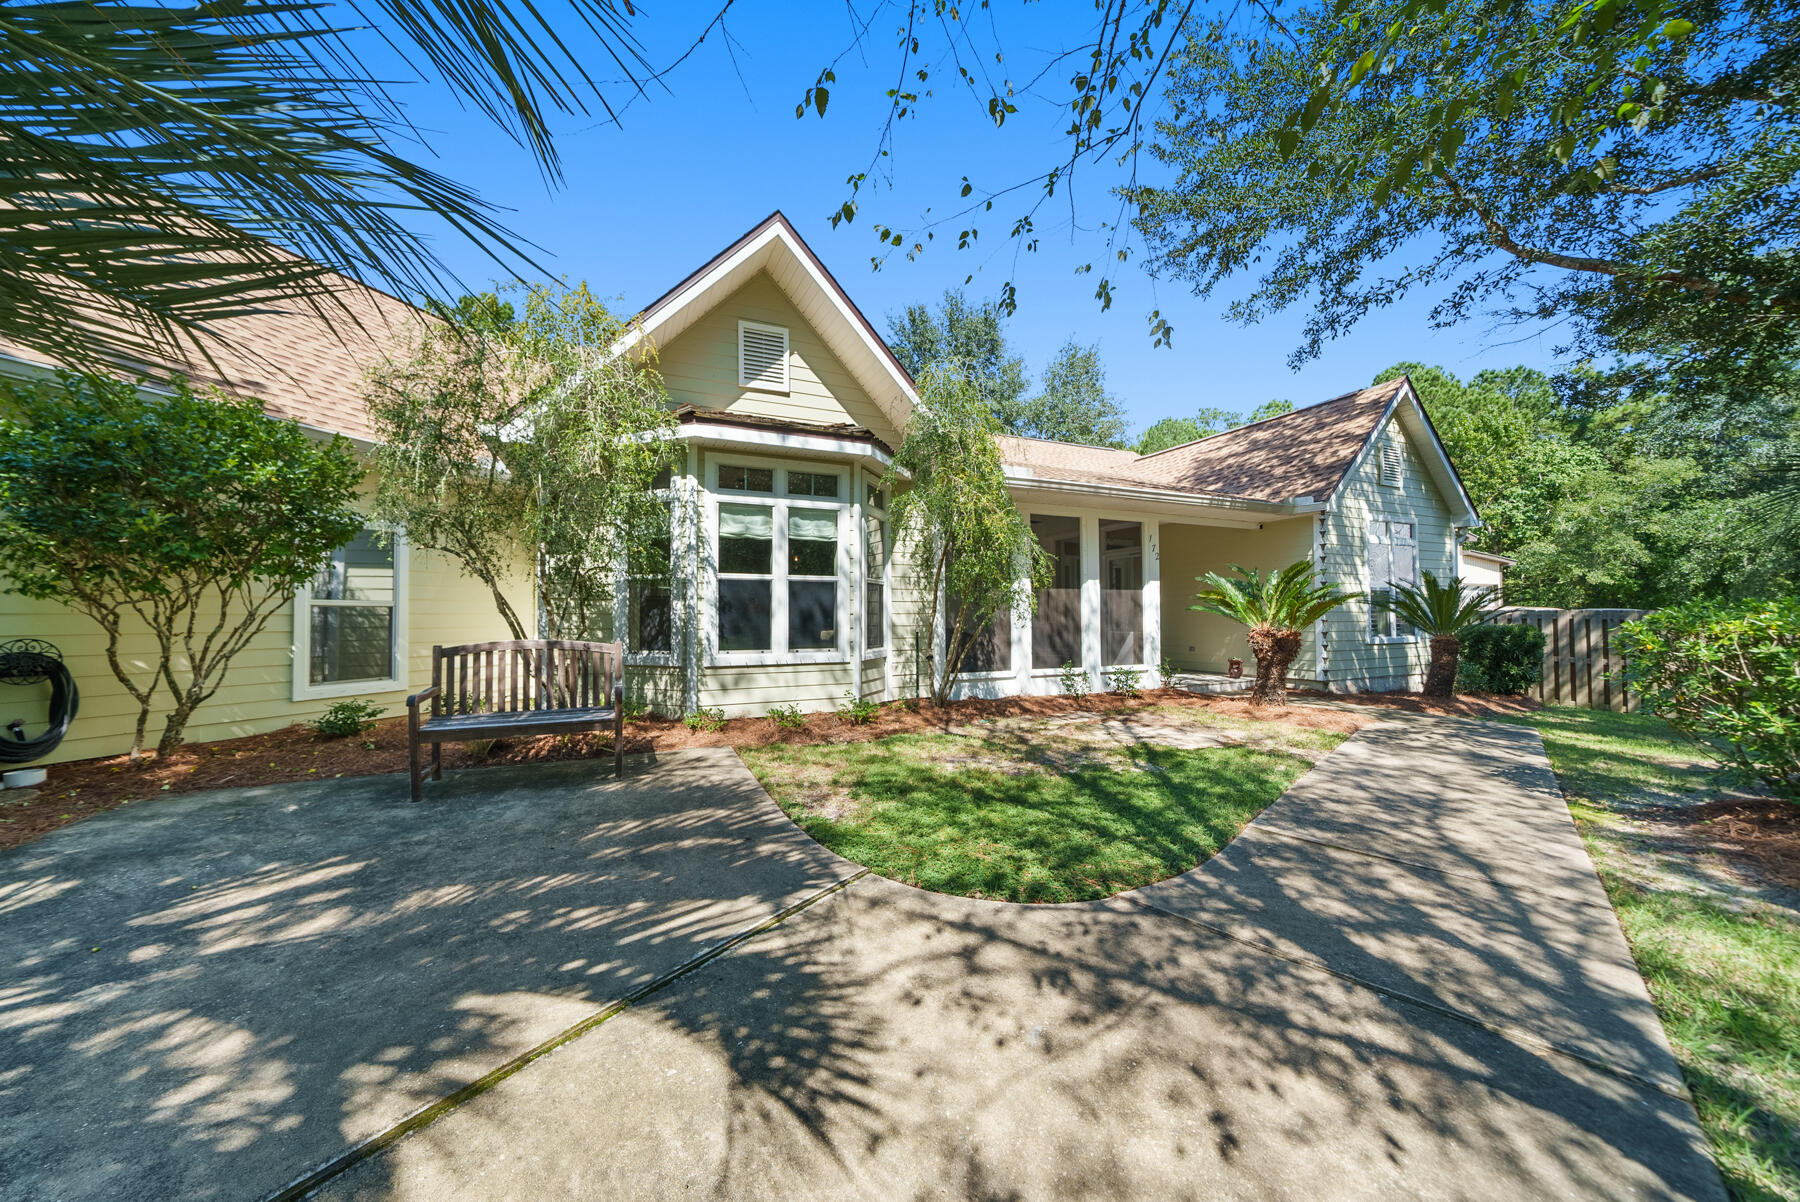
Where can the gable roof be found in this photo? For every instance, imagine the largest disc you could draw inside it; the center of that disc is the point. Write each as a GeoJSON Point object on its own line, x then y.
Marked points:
{"type": "Point", "coordinates": [1303, 455]}
{"type": "Point", "coordinates": [303, 364]}
{"type": "Point", "coordinates": [774, 246]}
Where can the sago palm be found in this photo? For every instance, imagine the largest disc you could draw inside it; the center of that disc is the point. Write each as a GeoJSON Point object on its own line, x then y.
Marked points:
{"type": "Point", "coordinates": [1276, 607]}
{"type": "Point", "coordinates": [1442, 610]}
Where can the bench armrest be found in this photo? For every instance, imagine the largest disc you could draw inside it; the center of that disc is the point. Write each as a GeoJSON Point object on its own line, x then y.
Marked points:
{"type": "Point", "coordinates": [421, 697]}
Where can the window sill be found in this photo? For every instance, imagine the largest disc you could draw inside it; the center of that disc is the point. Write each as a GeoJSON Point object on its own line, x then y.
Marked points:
{"type": "Point", "coordinates": [1377, 640]}
{"type": "Point", "coordinates": [347, 688]}
{"type": "Point", "coordinates": [773, 659]}
{"type": "Point", "coordinates": [874, 653]}
{"type": "Point", "coordinates": [650, 659]}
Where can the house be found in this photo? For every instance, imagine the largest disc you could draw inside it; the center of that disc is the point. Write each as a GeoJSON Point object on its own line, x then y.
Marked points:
{"type": "Point", "coordinates": [786, 583]}
{"type": "Point", "coordinates": [1484, 569]}
{"type": "Point", "coordinates": [315, 652]}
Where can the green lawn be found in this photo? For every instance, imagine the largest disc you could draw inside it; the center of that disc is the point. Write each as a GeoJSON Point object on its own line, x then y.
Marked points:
{"type": "Point", "coordinates": [1024, 819]}
{"type": "Point", "coordinates": [1724, 971]}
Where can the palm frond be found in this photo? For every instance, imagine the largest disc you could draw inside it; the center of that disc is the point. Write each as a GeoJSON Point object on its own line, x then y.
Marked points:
{"type": "Point", "coordinates": [1286, 599]}
{"type": "Point", "coordinates": [166, 167]}
{"type": "Point", "coordinates": [1437, 608]}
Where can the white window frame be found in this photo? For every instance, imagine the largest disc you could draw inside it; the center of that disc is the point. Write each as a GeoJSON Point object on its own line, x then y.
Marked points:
{"type": "Point", "coordinates": [787, 352]}
{"type": "Point", "coordinates": [395, 681]}
{"type": "Point", "coordinates": [880, 515]}
{"type": "Point", "coordinates": [1386, 526]}
{"type": "Point", "coordinates": [780, 504]}
{"type": "Point", "coordinates": [622, 590]}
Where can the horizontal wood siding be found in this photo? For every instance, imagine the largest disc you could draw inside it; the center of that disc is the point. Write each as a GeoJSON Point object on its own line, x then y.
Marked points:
{"type": "Point", "coordinates": [751, 691]}
{"type": "Point", "coordinates": [1202, 642]}
{"type": "Point", "coordinates": [444, 607]}
{"type": "Point", "coordinates": [1352, 661]}
{"type": "Point", "coordinates": [700, 366]}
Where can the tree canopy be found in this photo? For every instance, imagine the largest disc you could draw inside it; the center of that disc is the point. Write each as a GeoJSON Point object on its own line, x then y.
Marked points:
{"type": "Point", "coordinates": [1613, 167]}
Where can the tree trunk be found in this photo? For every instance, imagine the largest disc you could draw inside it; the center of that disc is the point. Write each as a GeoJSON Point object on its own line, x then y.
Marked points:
{"type": "Point", "coordinates": [174, 727]}
{"type": "Point", "coordinates": [137, 738]}
{"type": "Point", "coordinates": [1440, 678]}
{"type": "Point", "coordinates": [1275, 651]}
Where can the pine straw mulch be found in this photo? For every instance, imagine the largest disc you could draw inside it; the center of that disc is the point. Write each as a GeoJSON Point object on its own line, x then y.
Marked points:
{"type": "Point", "coordinates": [1757, 834]}
{"type": "Point", "coordinates": [82, 788]}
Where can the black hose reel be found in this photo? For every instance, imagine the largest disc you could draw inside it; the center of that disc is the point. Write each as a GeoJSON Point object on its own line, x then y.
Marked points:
{"type": "Point", "coordinates": [26, 662]}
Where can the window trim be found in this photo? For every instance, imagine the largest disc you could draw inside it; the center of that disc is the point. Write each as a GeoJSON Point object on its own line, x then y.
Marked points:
{"type": "Point", "coordinates": [623, 580]}
{"type": "Point", "coordinates": [395, 682]}
{"type": "Point", "coordinates": [779, 505]}
{"type": "Point", "coordinates": [1368, 541]}
{"type": "Point", "coordinates": [787, 350]}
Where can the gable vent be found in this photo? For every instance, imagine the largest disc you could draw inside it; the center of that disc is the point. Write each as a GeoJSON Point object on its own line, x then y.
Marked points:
{"type": "Point", "coordinates": [1392, 461]}
{"type": "Point", "coordinates": [762, 356]}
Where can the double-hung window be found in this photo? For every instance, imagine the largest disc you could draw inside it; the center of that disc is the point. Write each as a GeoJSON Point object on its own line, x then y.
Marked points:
{"type": "Point", "coordinates": [779, 568]}
{"type": "Point", "coordinates": [875, 553]}
{"type": "Point", "coordinates": [348, 620]}
{"type": "Point", "coordinates": [1393, 559]}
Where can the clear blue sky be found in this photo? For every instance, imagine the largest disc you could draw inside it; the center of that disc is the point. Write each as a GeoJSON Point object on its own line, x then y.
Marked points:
{"type": "Point", "coordinates": [688, 170]}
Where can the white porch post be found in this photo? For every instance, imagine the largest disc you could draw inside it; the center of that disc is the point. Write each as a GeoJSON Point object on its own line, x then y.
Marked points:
{"type": "Point", "coordinates": [1153, 602]}
{"type": "Point", "coordinates": [1091, 652]}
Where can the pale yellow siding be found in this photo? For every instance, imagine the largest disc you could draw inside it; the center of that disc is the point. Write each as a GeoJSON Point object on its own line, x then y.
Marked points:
{"type": "Point", "coordinates": [700, 367]}
{"type": "Point", "coordinates": [751, 691]}
{"type": "Point", "coordinates": [1202, 642]}
{"type": "Point", "coordinates": [444, 606]}
{"type": "Point", "coordinates": [1352, 660]}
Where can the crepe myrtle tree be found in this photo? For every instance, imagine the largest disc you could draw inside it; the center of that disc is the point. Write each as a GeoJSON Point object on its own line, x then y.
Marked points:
{"type": "Point", "coordinates": [1441, 610]}
{"type": "Point", "coordinates": [978, 556]}
{"type": "Point", "coordinates": [509, 434]}
{"type": "Point", "coordinates": [1275, 606]}
{"type": "Point", "coordinates": [191, 517]}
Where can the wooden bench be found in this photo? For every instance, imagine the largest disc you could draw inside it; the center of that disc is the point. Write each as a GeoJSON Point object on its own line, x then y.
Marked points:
{"type": "Point", "coordinates": [515, 689]}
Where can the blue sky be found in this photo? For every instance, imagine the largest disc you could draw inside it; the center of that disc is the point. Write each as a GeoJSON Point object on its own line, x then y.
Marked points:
{"type": "Point", "coordinates": [688, 170]}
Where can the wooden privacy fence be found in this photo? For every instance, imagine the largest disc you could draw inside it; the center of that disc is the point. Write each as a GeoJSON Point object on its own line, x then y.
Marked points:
{"type": "Point", "coordinates": [1583, 664]}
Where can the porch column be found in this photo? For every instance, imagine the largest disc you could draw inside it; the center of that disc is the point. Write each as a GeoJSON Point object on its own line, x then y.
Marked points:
{"type": "Point", "coordinates": [1091, 652]}
{"type": "Point", "coordinates": [1152, 633]}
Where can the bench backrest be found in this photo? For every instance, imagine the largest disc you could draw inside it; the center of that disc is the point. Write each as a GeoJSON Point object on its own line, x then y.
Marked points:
{"type": "Point", "coordinates": [525, 674]}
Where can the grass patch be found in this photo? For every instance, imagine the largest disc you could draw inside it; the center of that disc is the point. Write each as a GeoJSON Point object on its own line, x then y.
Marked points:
{"type": "Point", "coordinates": [979, 817]}
{"type": "Point", "coordinates": [1725, 976]}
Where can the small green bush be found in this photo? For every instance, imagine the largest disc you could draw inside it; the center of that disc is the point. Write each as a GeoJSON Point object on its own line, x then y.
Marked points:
{"type": "Point", "coordinates": [635, 710]}
{"type": "Point", "coordinates": [1500, 659]}
{"type": "Point", "coordinates": [858, 711]}
{"type": "Point", "coordinates": [1124, 680]}
{"type": "Point", "coordinates": [787, 717]}
{"type": "Point", "coordinates": [1074, 680]}
{"type": "Point", "coordinates": [346, 718]}
{"type": "Point", "coordinates": [704, 719]}
{"type": "Point", "coordinates": [1727, 672]}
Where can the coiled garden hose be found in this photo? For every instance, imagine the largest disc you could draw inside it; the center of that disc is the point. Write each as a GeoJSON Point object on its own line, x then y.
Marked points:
{"type": "Point", "coordinates": [28, 662]}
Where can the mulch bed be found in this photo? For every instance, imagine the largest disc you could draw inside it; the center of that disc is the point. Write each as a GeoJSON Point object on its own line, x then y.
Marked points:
{"type": "Point", "coordinates": [1760, 834]}
{"type": "Point", "coordinates": [82, 788]}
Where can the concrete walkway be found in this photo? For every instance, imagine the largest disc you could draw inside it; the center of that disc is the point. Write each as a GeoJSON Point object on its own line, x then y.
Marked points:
{"type": "Point", "coordinates": [1402, 981]}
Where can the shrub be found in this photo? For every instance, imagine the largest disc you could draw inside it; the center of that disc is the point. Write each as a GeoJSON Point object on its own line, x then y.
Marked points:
{"type": "Point", "coordinates": [1124, 680]}
{"type": "Point", "coordinates": [1074, 680]}
{"type": "Point", "coordinates": [635, 710]}
{"type": "Point", "coordinates": [347, 718]}
{"type": "Point", "coordinates": [1729, 672]}
{"type": "Point", "coordinates": [704, 719]}
{"type": "Point", "coordinates": [858, 711]}
{"type": "Point", "coordinates": [1500, 659]}
{"type": "Point", "coordinates": [787, 717]}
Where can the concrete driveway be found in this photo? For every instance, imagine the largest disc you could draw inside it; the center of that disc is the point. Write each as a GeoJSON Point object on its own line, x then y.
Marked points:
{"type": "Point", "coordinates": [1403, 981]}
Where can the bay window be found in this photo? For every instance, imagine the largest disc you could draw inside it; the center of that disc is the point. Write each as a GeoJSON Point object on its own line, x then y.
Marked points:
{"type": "Point", "coordinates": [781, 577]}
{"type": "Point", "coordinates": [874, 577]}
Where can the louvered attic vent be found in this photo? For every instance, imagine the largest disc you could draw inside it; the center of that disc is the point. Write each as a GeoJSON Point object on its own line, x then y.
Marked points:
{"type": "Point", "coordinates": [1392, 460]}
{"type": "Point", "coordinates": [762, 357]}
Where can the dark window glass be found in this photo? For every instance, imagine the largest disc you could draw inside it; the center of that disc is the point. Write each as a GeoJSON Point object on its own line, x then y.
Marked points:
{"type": "Point", "coordinates": [663, 479]}
{"type": "Point", "coordinates": [746, 479]}
{"type": "Point", "coordinates": [812, 484]}
{"type": "Point", "coordinates": [744, 615]}
{"type": "Point", "coordinates": [812, 615]}
{"type": "Point", "coordinates": [652, 616]}
{"type": "Point", "coordinates": [746, 539]}
{"type": "Point", "coordinates": [352, 642]}
{"type": "Point", "coordinates": [875, 611]}
{"type": "Point", "coordinates": [1121, 593]}
{"type": "Point", "coordinates": [1056, 627]}
{"type": "Point", "coordinates": [877, 498]}
{"type": "Point", "coordinates": [812, 542]}
{"type": "Point", "coordinates": [360, 570]}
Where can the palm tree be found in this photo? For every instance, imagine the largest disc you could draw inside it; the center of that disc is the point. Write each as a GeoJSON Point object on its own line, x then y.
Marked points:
{"type": "Point", "coordinates": [1275, 607]}
{"type": "Point", "coordinates": [1442, 610]}
{"type": "Point", "coordinates": [167, 166]}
